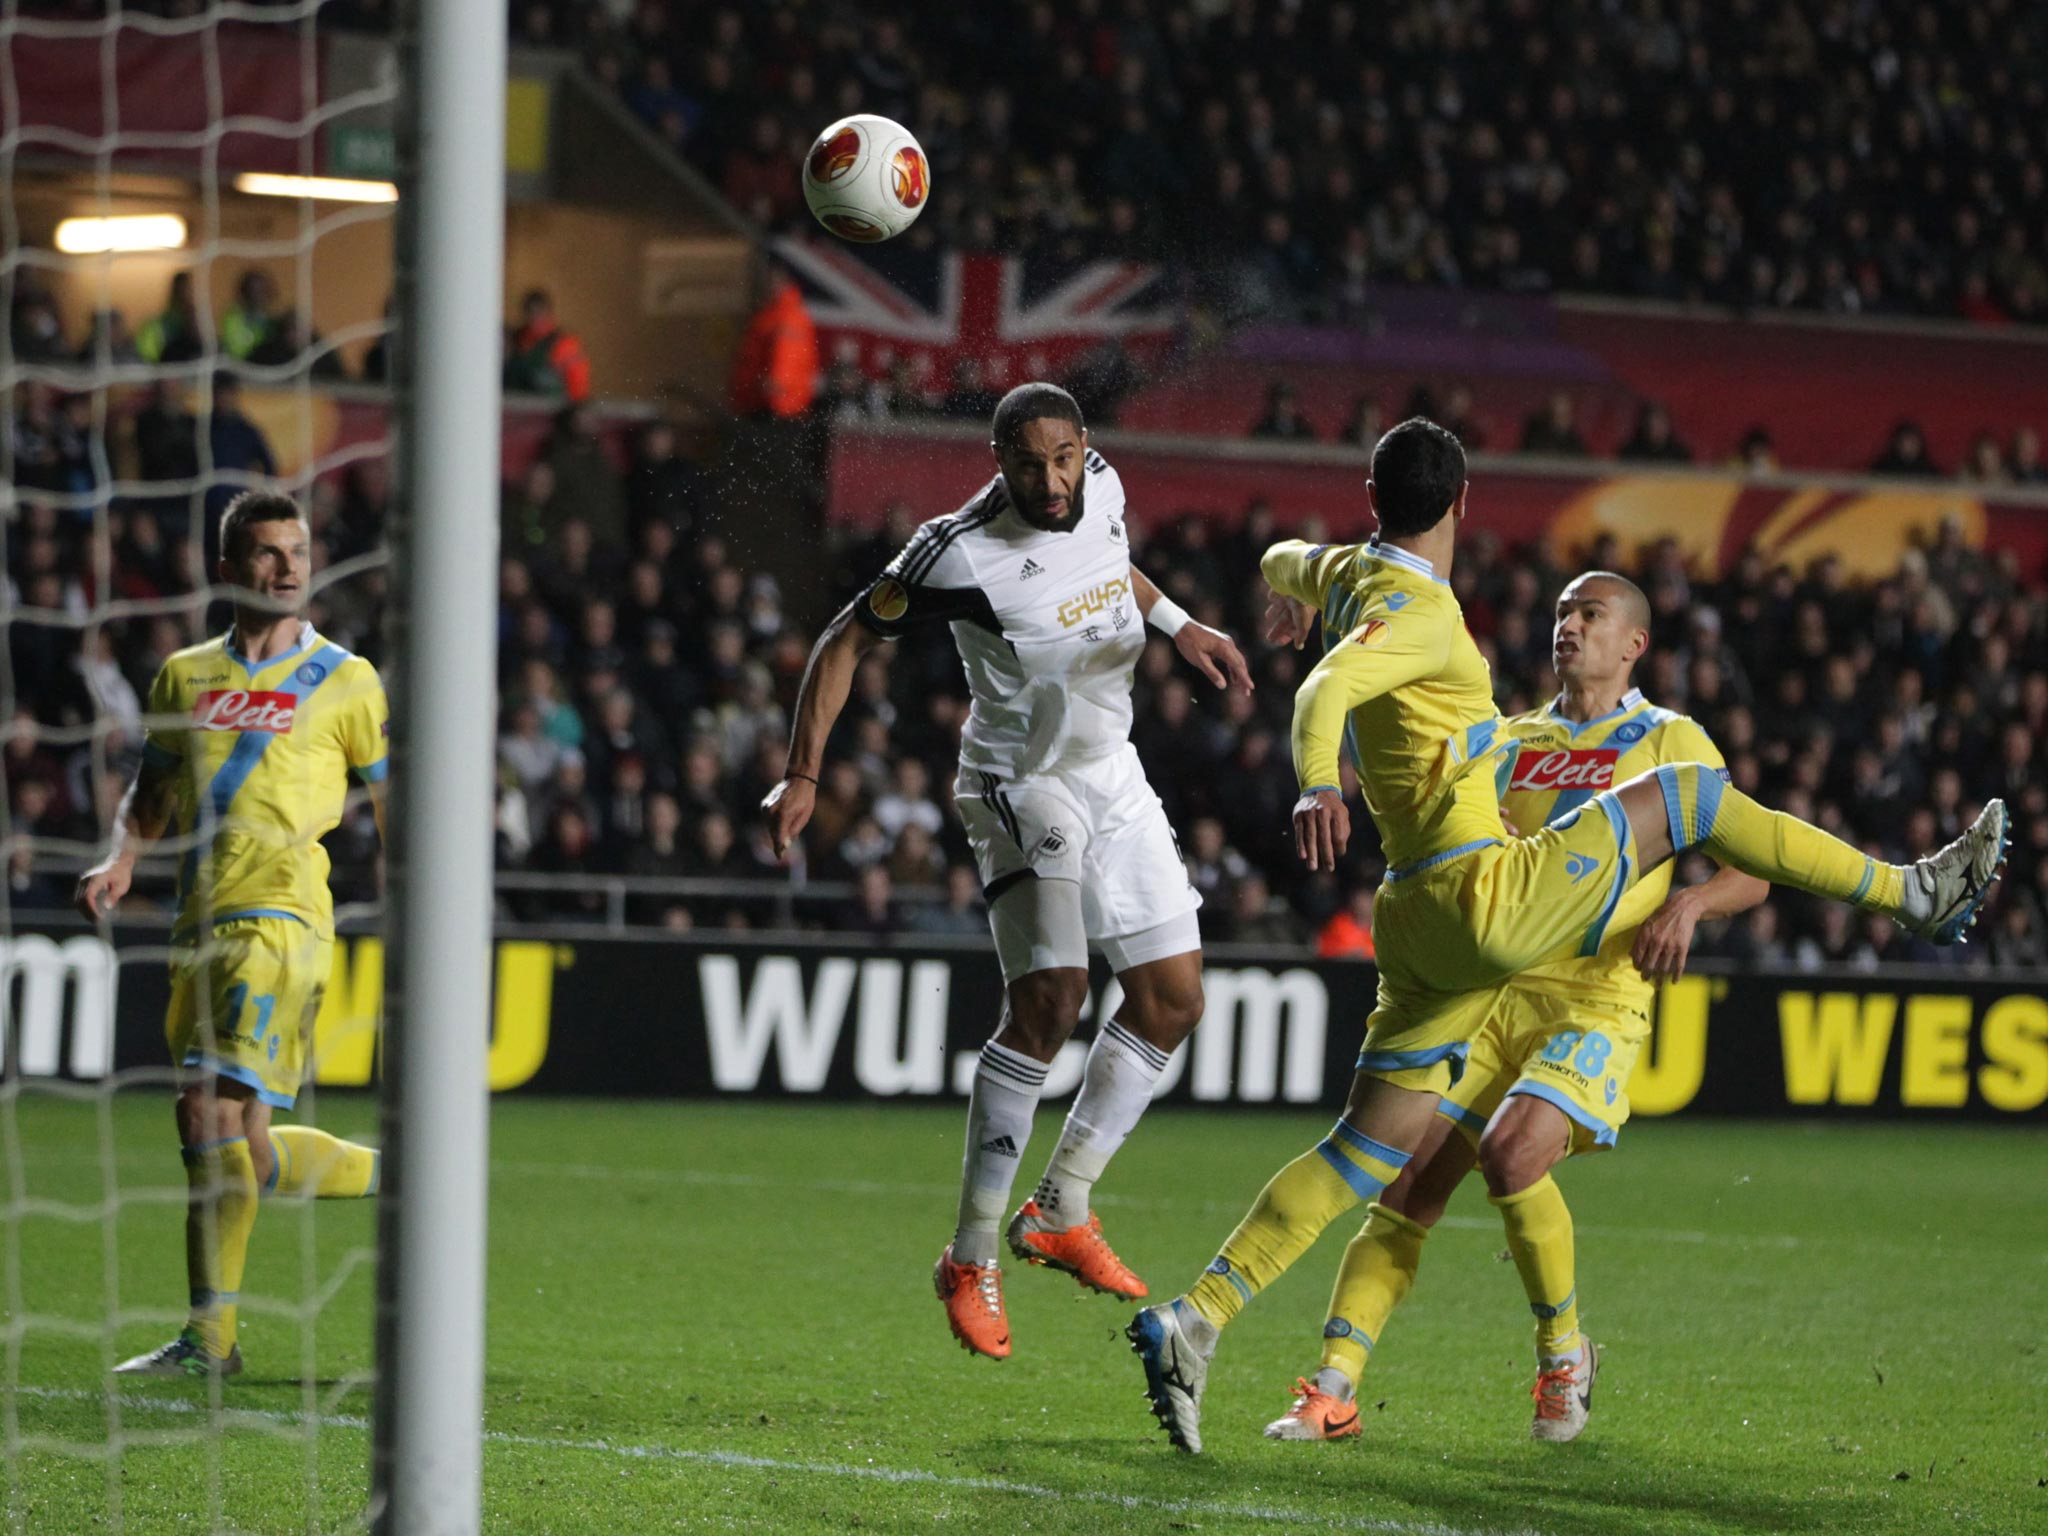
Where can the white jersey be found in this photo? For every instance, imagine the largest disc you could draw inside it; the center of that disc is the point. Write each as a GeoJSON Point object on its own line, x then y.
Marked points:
{"type": "Point", "coordinates": [1047, 623]}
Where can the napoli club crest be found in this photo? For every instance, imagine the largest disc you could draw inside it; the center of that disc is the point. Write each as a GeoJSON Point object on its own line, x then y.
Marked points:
{"type": "Point", "coordinates": [1635, 730]}
{"type": "Point", "coordinates": [311, 674]}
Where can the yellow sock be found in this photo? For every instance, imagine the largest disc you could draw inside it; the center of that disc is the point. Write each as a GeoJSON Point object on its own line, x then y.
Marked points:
{"type": "Point", "coordinates": [1706, 812]}
{"type": "Point", "coordinates": [222, 1177]}
{"type": "Point", "coordinates": [1378, 1270]}
{"type": "Point", "coordinates": [1540, 1238]}
{"type": "Point", "coordinates": [312, 1162]}
{"type": "Point", "coordinates": [1290, 1214]}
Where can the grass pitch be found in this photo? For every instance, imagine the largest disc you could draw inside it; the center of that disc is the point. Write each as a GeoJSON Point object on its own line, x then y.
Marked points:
{"type": "Point", "coordinates": [719, 1317]}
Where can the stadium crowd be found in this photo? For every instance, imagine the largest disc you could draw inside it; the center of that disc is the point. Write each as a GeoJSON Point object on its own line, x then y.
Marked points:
{"type": "Point", "coordinates": [1832, 155]}
{"type": "Point", "coordinates": [647, 678]}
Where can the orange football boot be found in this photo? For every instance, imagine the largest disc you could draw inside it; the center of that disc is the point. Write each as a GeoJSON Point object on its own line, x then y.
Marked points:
{"type": "Point", "coordinates": [1078, 1251]}
{"type": "Point", "coordinates": [973, 1295]}
{"type": "Point", "coordinates": [1315, 1416]}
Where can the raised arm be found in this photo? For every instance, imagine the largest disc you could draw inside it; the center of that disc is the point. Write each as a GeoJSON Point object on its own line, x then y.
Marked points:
{"type": "Point", "coordinates": [828, 677]}
{"type": "Point", "coordinates": [1383, 651]}
{"type": "Point", "coordinates": [1210, 651]}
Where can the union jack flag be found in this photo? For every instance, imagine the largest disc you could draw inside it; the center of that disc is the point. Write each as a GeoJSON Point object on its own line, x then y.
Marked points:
{"type": "Point", "coordinates": [1019, 318]}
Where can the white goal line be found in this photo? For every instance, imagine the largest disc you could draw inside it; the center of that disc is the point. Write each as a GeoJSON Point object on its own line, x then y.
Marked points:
{"type": "Point", "coordinates": [739, 1461]}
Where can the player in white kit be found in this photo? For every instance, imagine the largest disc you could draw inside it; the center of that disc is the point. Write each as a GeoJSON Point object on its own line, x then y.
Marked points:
{"type": "Point", "coordinates": [1034, 575]}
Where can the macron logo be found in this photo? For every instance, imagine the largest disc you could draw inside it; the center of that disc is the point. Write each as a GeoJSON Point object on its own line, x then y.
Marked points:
{"type": "Point", "coordinates": [1580, 865]}
{"type": "Point", "coordinates": [1031, 568]}
{"type": "Point", "coordinates": [1399, 600]}
{"type": "Point", "coordinates": [1001, 1146]}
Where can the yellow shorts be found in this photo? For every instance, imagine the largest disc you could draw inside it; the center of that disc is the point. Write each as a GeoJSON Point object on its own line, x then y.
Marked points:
{"type": "Point", "coordinates": [243, 1003]}
{"type": "Point", "coordinates": [1575, 1052]}
{"type": "Point", "coordinates": [1451, 929]}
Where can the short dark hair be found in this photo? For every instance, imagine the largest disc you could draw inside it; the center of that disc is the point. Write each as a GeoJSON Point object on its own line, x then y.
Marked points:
{"type": "Point", "coordinates": [1418, 469]}
{"type": "Point", "coordinates": [1033, 402]}
{"type": "Point", "coordinates": [1634, 601]}
{"type": "Point", "coordinates": [249, 509]}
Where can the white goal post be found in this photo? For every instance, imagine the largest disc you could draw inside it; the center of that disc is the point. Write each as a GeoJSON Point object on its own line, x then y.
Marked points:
{"type": "Point", "coordinates": [428, 1419]}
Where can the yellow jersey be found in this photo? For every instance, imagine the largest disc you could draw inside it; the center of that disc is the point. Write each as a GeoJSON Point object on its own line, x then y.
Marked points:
{"type": "Point", "coordinates": [260, 753]}
{"type": "Point", "coordinates": [1558, 765]}
{"type": "Point", "coordinates": [1402, 682]}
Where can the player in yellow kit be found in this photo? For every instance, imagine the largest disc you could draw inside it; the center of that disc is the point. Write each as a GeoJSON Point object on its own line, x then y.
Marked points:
{"type": "Point", "coordinates": [1547, 1073]}
{"type": "Point", "coordinates": [251, 739]}
{"type": "Point", "coordinates": [1465, 907]}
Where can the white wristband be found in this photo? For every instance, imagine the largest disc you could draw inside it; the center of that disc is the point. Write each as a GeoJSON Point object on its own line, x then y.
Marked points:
{"type": "Point", "coordinates": [1167, 616]}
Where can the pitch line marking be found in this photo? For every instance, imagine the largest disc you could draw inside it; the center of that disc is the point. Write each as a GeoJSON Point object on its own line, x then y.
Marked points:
{"type": "Point", "coordinates": [737, 1460]}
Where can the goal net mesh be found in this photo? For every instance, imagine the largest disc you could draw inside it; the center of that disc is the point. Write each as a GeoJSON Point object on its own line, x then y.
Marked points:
{"type": "Point", "coordinates": [174, 336]}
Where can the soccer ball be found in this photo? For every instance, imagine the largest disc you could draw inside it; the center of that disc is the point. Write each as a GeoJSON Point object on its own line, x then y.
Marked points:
{"type": "Point", "coordinates": [866, 178]}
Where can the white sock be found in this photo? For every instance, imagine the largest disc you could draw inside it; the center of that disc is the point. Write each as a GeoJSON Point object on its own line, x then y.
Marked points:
{"type": "Point", "coordinates": [1114, 1092]}
{"type": "Point", "coordinates": [1006, 1087]}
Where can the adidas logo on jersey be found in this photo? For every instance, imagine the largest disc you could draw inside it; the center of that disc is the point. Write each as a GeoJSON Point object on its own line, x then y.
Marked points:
{"type": "Point", "coordinates": [1001, 1146]}
{"type": "Point", "coordinates": [1031, 568]}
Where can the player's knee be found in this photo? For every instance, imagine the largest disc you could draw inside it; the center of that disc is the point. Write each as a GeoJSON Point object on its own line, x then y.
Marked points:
{"type": "Point", "coordinates": [205, 1113]}
{"type": "Point", "coordinates": [1167, 1014]}
{"type": "Point", "coordinates": [1044, 1008]}
{"type": "Point", "coordinates": [1512, 1156]}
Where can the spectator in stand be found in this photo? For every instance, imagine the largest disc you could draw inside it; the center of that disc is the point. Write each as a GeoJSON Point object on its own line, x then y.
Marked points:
{"type": "Point", "coordinates": [1257, 918]}
{"type": "Point", "coordinates": [663, 486]}
{"type": "Point", "coordinates": [1348, 933]}
{"type": "Point", "coordinates": [962, 914]}
{"type": "Point", "coordinates": [1554, 429]}
{"type": "Point", "coordinates": [173, 334]}
{"type": "Point", "coordinates": [587, 485]}
{"type": "Point", "coordinates": [2024, 457]}
{"type": "Point", "coordinates": [1653, 441]}
{"type": "Point", "coordinates": [250, 328]}
{"type": "Point", "coordinates": [241, 454]}
{"type": "Point", "coordinates": [1366, 424]}
{"type": "Point", "coordinates": [761, 176]}
{"type": "Point", "coordinates": [542, 357]}
{"type": "Point", "coordinates": [872, 911]}
{"type": "Point", "coordinates": [1906, 454]}
{"type": "Point", "coordinates": [1283, 420]}
{"type": "Point", "coordinates": [1757, 454]}
{"type": "Point", "coordinates": [1985, 464]}
{"type": "Point", "coordinates": [775, 374]}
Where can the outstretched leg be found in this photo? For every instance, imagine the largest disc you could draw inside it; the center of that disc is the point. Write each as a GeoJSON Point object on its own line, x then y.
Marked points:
{"type": "Point", "coordinates": [1690, 805]}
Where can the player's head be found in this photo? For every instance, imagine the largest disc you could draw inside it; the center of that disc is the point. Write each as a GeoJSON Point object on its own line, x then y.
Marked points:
{"type": "Point", "coordinates": [266, 551]}
{"type": "Point", "coordinates": [1418, 478]}
{"type": "Point", "coordinates": [1603, 628]}
{"type": "Point", "coordinates": [1042, 445]}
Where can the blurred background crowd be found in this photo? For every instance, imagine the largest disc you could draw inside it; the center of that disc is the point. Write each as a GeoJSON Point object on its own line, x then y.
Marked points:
{"type": "Point", "coordinates": [647, 679]}
{"type": "Point", "coordinates": [1842, 156]}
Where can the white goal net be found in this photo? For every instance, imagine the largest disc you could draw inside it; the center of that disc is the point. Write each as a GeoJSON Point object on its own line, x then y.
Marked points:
{"type": "Point", "coordinates": [188, 317]}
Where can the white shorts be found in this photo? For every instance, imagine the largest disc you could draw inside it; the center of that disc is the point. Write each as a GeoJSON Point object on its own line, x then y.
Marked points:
{"type": "Point", "coordinates": [1097, 823]}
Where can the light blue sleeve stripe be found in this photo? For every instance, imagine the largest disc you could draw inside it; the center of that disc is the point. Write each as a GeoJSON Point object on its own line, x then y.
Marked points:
{"type": "Point", "coordinates": [1363, 1184]}
{"type": "Point", "coordinates": [1242, 1289]}
{"type": "Point", "coordinates": [375, 773]}
{"type": "Point", "coordinates": [1863, 886]}
{"type": "Point", "coordinates": [1711, 789]}
{"type": "Point", "coordinates": [1358, 1141]}
{"type": "Point", "coordinates": [1667, 780]}
{"type": "Point", "coordinates": [1603, 1134]}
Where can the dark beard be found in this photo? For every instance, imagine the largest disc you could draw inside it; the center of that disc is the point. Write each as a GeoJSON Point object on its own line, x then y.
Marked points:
{"type": "Point", "coordinates": [1077, 504]}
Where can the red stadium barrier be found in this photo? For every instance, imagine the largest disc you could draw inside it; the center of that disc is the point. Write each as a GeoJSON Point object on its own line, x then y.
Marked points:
{"type": "Point", "coordinates": [1828, 392]}
{"type": "Point", "coordinates": [1714, 515]}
